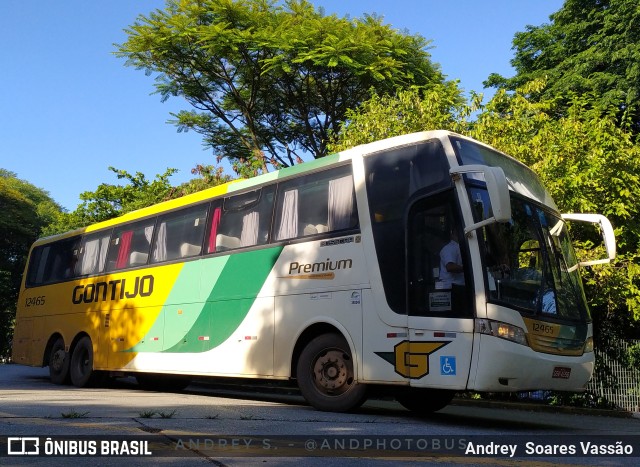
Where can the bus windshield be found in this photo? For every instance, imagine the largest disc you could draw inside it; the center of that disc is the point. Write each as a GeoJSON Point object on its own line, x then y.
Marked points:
{"type": "Point", "coordinates": [529, 262]}
{"type": "Point", "coordinates": [521, 178]}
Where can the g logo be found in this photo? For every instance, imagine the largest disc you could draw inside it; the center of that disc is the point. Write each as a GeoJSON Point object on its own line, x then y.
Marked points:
{"type": "Point", "coordinates": [412, 358]}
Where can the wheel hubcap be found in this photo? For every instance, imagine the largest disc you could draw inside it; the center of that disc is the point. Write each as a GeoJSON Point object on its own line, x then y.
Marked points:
{"type": "Point", "coordinates": [57, 361]}
{"type": "Point", "coordinates": [83, 362]}
{"type": "Point", "coordinates": [332, 372]}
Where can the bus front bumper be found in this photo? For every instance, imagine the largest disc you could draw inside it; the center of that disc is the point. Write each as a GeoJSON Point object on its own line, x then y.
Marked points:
{"type": "Point", "coordinates": [506, 366]}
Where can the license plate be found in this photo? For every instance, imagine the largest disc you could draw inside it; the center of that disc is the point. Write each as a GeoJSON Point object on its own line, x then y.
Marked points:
{"type": "Point", "coordinates": [561, 372]}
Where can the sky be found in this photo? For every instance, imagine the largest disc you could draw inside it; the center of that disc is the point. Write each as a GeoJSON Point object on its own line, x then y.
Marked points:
{"type": "Point", "coordinates": [69, 108]}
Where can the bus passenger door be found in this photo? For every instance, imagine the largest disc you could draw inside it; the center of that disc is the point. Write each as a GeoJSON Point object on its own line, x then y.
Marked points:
{"type": "Point", "coordinates": [440, 299]}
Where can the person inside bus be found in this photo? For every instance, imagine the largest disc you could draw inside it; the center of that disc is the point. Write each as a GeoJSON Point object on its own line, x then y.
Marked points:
{"type": "Point", "coordinates": [451, 270]}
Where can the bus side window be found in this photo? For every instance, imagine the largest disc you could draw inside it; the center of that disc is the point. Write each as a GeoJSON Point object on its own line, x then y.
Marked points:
{"type": "Point", "coordinates": [341, 204]}
{"type": "Point", "coordinates": [130, 245]}
{"type": "Point", "coordinates": [54, 262]}
{"type": "Point", "coordinates": [213, 226]}
{"type": "Point", "coordinates": [65, 257]}
{"type": "Point", "coordinates": [180, 234]}
{"type": "Point", "coordinates": [93, 253]}
{"type": "Point", "coordinates": [245, 220]}
{"type": "Point", "coordinates": [315, 204]}
{"type": "Point", "coordinates": [37, 263]}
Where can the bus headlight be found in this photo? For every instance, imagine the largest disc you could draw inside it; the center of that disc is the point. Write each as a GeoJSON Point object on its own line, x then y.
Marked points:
{"type": "Point", "coordinates": [501, 330]}
{"type": "Point", "coordinates": [588, 344]}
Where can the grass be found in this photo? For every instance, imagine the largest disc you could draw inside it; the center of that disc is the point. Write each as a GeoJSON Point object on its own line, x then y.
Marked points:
{"type": "Point", "coordinates": [74, 414]}
{"type": "Point", "coordinates": [152, 413]}
{"type": "Point", "coordinates": [167, 414]}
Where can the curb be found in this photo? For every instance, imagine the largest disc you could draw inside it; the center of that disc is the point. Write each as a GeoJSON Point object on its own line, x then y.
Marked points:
{"type": "Point", "coordinates": [291, 391]}
{"type": "Point", "coordinates": [533, 407]}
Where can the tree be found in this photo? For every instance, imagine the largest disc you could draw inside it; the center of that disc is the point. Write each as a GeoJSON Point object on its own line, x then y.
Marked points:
{"type": "Point", "coordinates": [25, 210]}
{"type": "Point", "coordinates": [269, 80]}
{"type": "Point", "coordinates": [408, 111]}
{"type": "Point", "coordinates": [590, 46]}
{"type": "Point", "coordinates": [109, 201]}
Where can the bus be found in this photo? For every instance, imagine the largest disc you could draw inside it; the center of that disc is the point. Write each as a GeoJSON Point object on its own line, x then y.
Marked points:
{"type": "Point", "coordinates": [416, 266]}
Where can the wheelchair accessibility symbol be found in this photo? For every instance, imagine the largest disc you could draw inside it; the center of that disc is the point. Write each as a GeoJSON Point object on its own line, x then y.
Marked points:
{"type": "Point", "coordinates": [447, 365]}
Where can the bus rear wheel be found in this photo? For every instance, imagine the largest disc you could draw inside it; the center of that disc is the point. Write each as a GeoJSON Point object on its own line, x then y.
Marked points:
{"type": "Point", "coordinates": [326, 377]}
{"type": "Point", "coordinates": [58, 363]}
{"type": "Point", "coordinates": [81, 366]}
{"type": "Point", "coordinates": [425, 401]}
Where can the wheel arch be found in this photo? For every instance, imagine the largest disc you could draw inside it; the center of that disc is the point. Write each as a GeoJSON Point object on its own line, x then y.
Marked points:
{"type": "Point", "coordinates": [47, 350]}
{"type": "Point", "coordinates": [314, 330]}
{"type": "Point", "coordinates": [77, 338]}
{"type": "Point", "coordinates": [69, 346]}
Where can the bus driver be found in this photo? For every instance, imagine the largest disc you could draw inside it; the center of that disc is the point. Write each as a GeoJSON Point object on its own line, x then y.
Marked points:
{"type": "Point", "coordinates": [451, 270]}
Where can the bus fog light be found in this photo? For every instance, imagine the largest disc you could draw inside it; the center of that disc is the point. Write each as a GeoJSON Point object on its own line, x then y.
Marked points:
{"type": "Point", "coordinates": [501, 330]}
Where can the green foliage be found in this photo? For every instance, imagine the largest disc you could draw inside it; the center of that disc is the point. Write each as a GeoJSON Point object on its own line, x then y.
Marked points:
{"type": "Point", "coordinates": [109, 201]}
{"type": "Point", "coordinates": [168, 414]}
{"type": "Point", "coordinates": [584, 158]}
{"type": "Point", "coordinates": [25, 210]}
{"type": "Point", "coordinates": [589, 47]}
{"type": "Point", "coordinates": [408, 111]}
{"type": "Point", "coordinates": [268, 81]}
{"type": "Point", "coordinates": [633, 354]}
{"type": "Point", "coordinates": [585, 400]}
{"type": "Point", "coordinates": [207, 176]}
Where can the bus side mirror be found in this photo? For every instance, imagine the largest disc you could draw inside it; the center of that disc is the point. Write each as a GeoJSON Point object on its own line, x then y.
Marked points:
{"type": "Point", "coordinates": [606, 230]}
{"type": "Point", "coordinates": [497, 188]}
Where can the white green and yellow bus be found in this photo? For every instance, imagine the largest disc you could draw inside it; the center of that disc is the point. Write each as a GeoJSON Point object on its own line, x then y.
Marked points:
{"type": "Point", "coordinates": [331, 273]}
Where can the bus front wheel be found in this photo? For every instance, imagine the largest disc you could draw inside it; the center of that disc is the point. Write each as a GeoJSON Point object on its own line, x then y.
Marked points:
{"type": "Point", "coordinates": [326, 377]}
{"type": "Point", "coordinates": [81, 366]}
{"type": "Point", "coordinates": [58, 363]}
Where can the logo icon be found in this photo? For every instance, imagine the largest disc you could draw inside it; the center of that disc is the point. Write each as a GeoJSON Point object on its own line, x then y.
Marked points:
{"type": "Point", "coordinates": [411, 359]}
{"type": "Point", "coordinates": [355, 298]}
{"type": "Point", "coordinates": [23, 446]}
{"type": "Point", "coordinates": [448, 365]}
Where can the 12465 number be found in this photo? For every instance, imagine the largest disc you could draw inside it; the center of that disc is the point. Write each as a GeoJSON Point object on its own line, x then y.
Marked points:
{"type": "Point", "coordinates": [35, 301]}
{"type": "Point", "coordinates": [542, 328]}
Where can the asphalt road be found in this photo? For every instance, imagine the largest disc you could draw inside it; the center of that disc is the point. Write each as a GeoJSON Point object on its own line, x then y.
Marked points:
{"type": "Point", "coordinates": [207, 425]}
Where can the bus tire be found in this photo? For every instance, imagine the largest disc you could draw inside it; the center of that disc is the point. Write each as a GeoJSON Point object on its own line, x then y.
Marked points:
{"type": "Point", "coordinates": [425, 401]}
{"type": "Point", "coordinates": [81, 366]}
{"type": "Point", "coordinates": [59, 363]}
{"type": "Point", "coordinates": [326, 377]}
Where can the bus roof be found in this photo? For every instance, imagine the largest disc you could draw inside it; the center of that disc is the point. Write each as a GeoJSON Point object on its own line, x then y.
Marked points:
{"type": "Point", "coordinates": [241, 184]}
